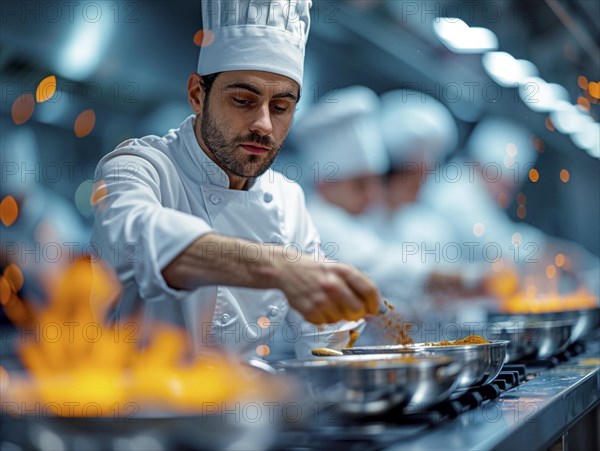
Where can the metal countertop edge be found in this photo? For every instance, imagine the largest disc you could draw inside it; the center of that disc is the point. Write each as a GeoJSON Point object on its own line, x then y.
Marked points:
{"type": "Point", "coordinates": [576, 390]}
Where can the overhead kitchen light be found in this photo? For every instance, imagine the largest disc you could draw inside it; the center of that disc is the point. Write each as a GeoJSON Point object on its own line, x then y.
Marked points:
{"type": "Point", "coordinates": [507, 71]}
{"type": "Point", "coordinates": [460, 38]}
{"type": "Point", "coordinates": [588, 138]}
{"type": "Point", "coordinates": [540, 95]}
{"type": "Point", "coordinates": [84, 50]}
{"type": "Point", "coordinates": [568, 118]}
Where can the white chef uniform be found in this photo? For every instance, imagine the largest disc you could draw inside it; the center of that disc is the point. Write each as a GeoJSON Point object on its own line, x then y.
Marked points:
{"type": "Point", "coordinates": [163, 194]}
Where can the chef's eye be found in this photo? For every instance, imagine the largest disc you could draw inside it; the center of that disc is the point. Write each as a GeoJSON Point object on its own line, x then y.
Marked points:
{"type": "Point", "coordinates": [279, 109]}
{"type": "Point", "coordinates": [240, 102]}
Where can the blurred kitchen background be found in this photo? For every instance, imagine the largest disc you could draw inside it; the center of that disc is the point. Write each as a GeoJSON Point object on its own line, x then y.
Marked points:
{"type": "Point", "coordinates": [121, 71]}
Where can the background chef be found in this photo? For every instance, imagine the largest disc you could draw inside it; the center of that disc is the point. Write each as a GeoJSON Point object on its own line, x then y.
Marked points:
{"type": "Point", "coordinates": [207, 219]}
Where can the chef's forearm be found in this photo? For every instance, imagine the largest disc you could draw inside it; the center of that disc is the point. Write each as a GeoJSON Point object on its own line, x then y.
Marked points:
{"type": "Point", "coordinates": [220, 260]}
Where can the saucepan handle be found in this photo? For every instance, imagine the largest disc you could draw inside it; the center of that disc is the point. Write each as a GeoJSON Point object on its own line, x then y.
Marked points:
{"type": "Point", "coordinates": [261, 365]}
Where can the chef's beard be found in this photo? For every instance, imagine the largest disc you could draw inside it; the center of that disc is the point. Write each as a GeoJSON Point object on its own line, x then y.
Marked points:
{"type": "Point", "coordinates": [228, 154]}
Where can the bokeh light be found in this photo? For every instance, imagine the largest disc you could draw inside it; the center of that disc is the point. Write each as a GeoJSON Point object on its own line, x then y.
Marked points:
{"type": "Point", "coordinates": [83, 195]}
{"type": "Point", "coordinates": [204, 38]}
{"type": "Point", "coordinates": [478, 229]}
{"type": "Point", "coordinates": [14, 276]}
{"type": "Point", "coordinates": [84, 124]}
{"type": "Point", "coordinates": [46, 89]}
{"type": "Point", "coordinates": [534, 175]}
{"type": "Point", "coordinates": [264, 322]}
{"type": "Point", "coordinates": [594, 89]}
{"type": "Point", "coordinates": [9, 211]}
{"type": "Point", "coordinates": [582, 82]}
{"type": "Point", "coordinates": [22, 108]}
{"type": "Point", "coordinates": [263, 350]}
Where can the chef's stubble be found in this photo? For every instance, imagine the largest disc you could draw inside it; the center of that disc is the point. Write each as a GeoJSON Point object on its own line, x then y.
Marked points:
{"type": "Point", "coordinates": [226, 150]}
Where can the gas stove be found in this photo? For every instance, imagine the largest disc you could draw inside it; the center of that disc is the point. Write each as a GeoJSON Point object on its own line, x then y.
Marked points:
{"type": "Point", "coordinates": [514, 412]}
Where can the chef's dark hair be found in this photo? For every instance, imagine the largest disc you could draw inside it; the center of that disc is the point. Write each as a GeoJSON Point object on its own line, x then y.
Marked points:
{"type": "Point", "coordinates": [208, 81]}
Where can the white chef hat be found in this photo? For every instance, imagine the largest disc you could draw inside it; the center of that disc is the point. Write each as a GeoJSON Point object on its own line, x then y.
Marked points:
{"type": "Point", "coordinates": [416, 126]}
{"type": "Point", "coordinates": [263, 35]}
{"type": "Point", "coordinates": [504, 143]}
{"type": "Point", "coordinates": [342, 130]}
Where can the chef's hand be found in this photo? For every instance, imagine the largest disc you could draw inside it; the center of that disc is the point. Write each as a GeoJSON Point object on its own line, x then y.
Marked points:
{"type": "Point", "coordinates": [322, 292]}
{"type": "Point", "coordinates": [327, 292]}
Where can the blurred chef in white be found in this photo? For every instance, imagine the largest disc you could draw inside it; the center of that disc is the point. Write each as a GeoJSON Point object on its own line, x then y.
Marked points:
{"type": "Point", "coordinates": [224, 245]}
{"type": "Point", "coordinates": [468, 191]}
{"type": "Point", "coordinates": [499, 155]}
{"type": "Point", "coordinates": [419, 133]}
{"type": "Point", "coordinates": [343, 161]}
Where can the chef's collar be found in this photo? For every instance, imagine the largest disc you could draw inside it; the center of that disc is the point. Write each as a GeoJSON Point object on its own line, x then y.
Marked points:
{"type": "Point", "coordinates": [208, 171]}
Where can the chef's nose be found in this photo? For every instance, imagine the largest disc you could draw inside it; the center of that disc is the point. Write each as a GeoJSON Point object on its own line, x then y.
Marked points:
{"type": "Point", "coordinates": [261, 122]}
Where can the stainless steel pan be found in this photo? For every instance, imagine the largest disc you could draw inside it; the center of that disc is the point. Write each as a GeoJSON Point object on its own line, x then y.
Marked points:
{"type": "Point", "coordinates": [583, 321]}
{"type": "Point", "coordinates": [530, 339]}
{"type": "Point", "coordinates": [480, 363]}
{"type": "Point", "coordinates": [370, 384]}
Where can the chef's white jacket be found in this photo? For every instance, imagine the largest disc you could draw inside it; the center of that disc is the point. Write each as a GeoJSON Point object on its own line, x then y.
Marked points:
{"type": "Point", "coordinates": [163, 193]}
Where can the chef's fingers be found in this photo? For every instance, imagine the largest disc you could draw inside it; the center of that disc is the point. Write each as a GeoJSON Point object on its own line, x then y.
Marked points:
{"type": "Point", "coordinates": [316, 309]}
{"type": "Point", "coordinates": [343, 301]}
{"type": "Point", "coordinates": [319, 316]}
{"type": "Point", "coordinates": [364, 288]}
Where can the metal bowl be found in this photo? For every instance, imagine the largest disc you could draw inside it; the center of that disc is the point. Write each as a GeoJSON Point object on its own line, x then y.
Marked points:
{"type": "Point", "coordinates": [589, 320]}
{"type": "Point", "coordinates": [583, 321]}
{"type": "Point", "coordinates": [480, 363]}
{"type": "Point", "coordinates": [530, 339]}
{"type": "Point", "coordinates": [371, 384]}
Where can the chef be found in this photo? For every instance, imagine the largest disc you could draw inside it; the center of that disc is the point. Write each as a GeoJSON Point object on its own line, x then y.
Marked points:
{"type": "Point", "coordinates": [344, 158]}
{"type": "Point", "coordinates": [419, 133]}
{"type": "Point", "coordinates": [342, 144]}
{"type": "Point", "coordinates": [210, 237]}
{"type": "Point", "coordinates": [499, 155]}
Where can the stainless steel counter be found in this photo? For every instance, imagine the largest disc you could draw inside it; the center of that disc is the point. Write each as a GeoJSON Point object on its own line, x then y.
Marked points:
{"type": "Point", "coordinates": [528, 417]}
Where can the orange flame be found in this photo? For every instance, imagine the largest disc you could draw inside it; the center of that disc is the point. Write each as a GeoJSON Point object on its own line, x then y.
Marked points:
{"type": "Point", "coordinates": [522, 303]}
{"type": "Point", "coordinates": [77, 361]}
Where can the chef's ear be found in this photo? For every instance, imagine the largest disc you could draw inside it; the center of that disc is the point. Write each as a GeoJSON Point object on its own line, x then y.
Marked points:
{"type": "Point", "coordinates": [196, 93]}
